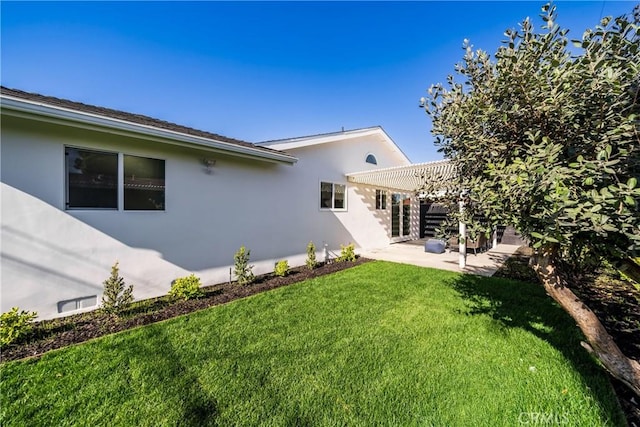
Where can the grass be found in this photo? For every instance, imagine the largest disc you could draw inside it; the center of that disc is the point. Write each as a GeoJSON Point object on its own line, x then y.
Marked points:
{"type": "Point", "coordinates": [378, 344]}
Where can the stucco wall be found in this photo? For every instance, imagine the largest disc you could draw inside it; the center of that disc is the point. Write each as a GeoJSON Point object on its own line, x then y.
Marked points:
{"type": "Point", "coordinates": [50, 254]}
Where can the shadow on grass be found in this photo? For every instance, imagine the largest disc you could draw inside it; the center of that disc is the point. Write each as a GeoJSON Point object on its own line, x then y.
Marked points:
{"type": "Point", "coordinates": [516, 304]}
{"type": "Point", "coordinates": [164, 373]}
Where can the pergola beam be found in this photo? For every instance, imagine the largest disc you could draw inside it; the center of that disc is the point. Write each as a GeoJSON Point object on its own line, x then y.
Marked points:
{"type": "Point", "coordinates": [408, 178]}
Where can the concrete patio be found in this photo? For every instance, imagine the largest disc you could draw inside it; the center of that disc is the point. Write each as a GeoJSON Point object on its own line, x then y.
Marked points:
{"type": "Point", "coordinates": [412, 252]}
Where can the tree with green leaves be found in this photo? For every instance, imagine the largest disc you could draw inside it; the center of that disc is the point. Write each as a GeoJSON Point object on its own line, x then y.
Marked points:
{"type": "Point", "coordinates": [545, 135]}
{"type": "Point", "coordinates": [116, 295]}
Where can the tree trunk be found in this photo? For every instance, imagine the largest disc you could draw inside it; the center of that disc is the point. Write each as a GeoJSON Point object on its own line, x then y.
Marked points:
{"type": "Point", "coordinates": [600, 342]}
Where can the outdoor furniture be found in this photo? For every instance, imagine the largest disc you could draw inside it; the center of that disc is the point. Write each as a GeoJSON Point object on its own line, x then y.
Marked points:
{"type": "Point", "coordinates": [480, 243]}
{"type": "Point", "coordinates": [435, 246]}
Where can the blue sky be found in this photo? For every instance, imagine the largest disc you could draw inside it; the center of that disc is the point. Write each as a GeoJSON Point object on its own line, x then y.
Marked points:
{"type": "Point", "coordinates": [262, 70]}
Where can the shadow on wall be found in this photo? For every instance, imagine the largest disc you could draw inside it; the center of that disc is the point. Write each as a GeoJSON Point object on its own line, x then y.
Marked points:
{"type": "Point", "coordinates": [48, 256]}
{"type": "Point", "coordinates": [43, 244]}
{"type": "Point", "coordinates": [368, 198]}
{"type": "Point", "coordinates": [382, 217]}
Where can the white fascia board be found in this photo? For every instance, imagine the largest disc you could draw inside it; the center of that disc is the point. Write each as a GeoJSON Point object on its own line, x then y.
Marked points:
{"type": "Point", "coordinates": [293, 143]}
{"type": "Point", "coordinates": [25, 109]}
{"type": "Point", "coordinates": [288, 144]}
{"type": "Point", "coordinates": [395, 147]}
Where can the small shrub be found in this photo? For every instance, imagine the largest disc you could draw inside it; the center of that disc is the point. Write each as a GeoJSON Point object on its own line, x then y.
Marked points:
{"type": "Point", "coordinates": [282, 268]}
{"type": "Point", "coordinates": [15, 325]}
{"type": "Point", "coordinates": [347, 253]}
{"type": "Point", "coordinates": [116, 295]}
{"type": "Point", "coordinates": [186, 287]}
{"type": "Point", "coordinates": [242, 269]}
{"type": "Point", "coordinates": [311, 256]}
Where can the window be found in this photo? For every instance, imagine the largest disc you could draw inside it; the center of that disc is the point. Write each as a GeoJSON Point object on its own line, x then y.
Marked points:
{"type": "Point", "coordinates": [371, 159]}
{"type": "Point", "coordinates": [94, 181]}
{"type": "Point", "coordinates": [332, 196]}
{"type": "Point", "coordinates": [381, 199]}
{"type": "Point", "coordinates": [143, 184]}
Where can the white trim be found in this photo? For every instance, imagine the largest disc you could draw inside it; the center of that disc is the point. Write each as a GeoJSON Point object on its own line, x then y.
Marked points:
{"type": "Point", "coordinates": [374, 158]}
{"type": "Point", "coordinates": [26, 109]}
{"type": "Point", "coordinates": [123, 178]}
{"type": "Point", "coordinates": [401, 237]}
{"type": "Point", "coordinates": [120, 180]}
{"type": "Point", "coordinates": [306, 141]}
{"type": "Point", "coordinates": [66, 178]}
{"type": "Point", "coordinates": [385, 193]}
{"type": "Point", "coordinates": [333, 184]}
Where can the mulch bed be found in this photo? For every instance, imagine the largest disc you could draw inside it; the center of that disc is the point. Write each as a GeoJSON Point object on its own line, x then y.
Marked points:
{"type": "Point", "coordinates": [57, 333]}
{"type": "Point", "coordinates": [616, 303]}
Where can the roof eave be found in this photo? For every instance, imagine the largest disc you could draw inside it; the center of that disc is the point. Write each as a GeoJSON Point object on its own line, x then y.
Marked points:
{"type": "Point", "coordinates": [43, 112]}
{"type": "Point", "coordinates": [306, 141]}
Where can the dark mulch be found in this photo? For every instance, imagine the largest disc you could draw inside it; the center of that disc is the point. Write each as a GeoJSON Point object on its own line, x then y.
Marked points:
{"type": "Point", "coordinates": [52, 334]}
{"type": "Point", "coordinates": [616, 302]}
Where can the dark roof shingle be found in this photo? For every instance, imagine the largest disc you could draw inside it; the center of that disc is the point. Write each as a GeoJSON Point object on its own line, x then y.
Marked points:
{"type": "Point", "coordinates": [128, 117]}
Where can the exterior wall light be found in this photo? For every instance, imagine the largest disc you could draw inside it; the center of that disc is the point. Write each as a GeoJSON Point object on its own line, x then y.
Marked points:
{"type": "Point", "coordinates": [209, 164]}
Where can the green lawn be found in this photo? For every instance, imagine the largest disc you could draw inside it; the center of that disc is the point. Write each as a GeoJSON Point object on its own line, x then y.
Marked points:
{"type": "Point", "coordinates": [378, 344]}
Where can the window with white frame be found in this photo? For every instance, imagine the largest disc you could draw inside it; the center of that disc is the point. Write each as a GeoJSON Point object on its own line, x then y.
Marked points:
{"type": "Point", "coordinates": [381, 199]}
{"type": "Point", "coordinates": [143, 184]}
{"type": "Point", "coordinates": [371, 159]}
{"type": "Point", "coordinates": [94, 180]}
{"type": "Point", "coordinates": [332, 196]}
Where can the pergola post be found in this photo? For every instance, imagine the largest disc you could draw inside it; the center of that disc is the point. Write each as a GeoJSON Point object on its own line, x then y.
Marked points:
{"type": "Point", "coordinates": [462, 232]}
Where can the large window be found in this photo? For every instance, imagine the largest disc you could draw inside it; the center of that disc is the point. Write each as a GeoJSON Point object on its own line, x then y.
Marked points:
{"type": "Point", "coordinates": [143, 183]}
{"type": "Point", "coordinates": [381, 199]}
{"type": "Point", "coordinates": [332, 196]}
{"type": "Point", "coordinates": [94, 181]}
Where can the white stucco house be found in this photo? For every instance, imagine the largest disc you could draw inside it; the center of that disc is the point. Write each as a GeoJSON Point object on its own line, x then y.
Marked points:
{"type": "Point", "coordinates": [85, 186]}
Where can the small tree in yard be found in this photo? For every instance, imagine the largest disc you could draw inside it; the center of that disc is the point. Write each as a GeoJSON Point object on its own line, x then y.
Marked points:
{"type": "Point", "coordinates": [311, 261]}
{"type": "Point", "coordinates": [242, 269]}
{"type": "Point", "coordinates": [116, 295]}
{"type": "Point", "coordinates": [548, 140]}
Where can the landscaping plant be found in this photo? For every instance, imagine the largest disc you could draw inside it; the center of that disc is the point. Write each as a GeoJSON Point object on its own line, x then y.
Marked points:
{"type": "Point", "coordinates": [116, 295]}
{"type": "Point", "coordinates": [15, 325]}
{"type": "Point", "coordinates": [546, 138]}
{"type": "Point", "coordinates": [347, 253]}
{"type": "Point", "coordinates": [282, 268]}
{"type": "Point", "coordinates": [311, 261]}
{"type": "Point", "coordinates": [186, 287]}
{"type": "Point", "coordinates": [242, 269]}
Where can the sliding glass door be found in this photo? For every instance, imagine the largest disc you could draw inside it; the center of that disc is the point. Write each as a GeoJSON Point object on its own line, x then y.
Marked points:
{"type": "Point", "coordinates": [400, 216]}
